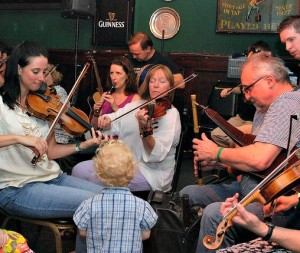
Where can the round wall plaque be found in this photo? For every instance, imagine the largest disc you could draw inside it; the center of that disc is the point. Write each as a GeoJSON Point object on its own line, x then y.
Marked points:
{"type": "Point", "coordinates": [164, 23]}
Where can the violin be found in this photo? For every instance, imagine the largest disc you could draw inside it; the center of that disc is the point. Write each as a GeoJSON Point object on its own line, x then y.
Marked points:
{"type": "Point", "coordinates": [159, 108]}
{"type": "Point", "coordinates": [155, 110]}
{"type": "Point", "coordinates": [61, 110]}
{"type": "Point", "coordinates": [273, 186]}
{"type": "Point", "coordinates": [45, 105]}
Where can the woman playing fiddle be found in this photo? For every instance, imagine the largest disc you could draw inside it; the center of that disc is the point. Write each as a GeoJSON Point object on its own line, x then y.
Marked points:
{"type": "Point", "coordinates": [154, 146]}
{"type": "Point", "coordinates": [42, 191]}
{"type": "Point", "coordinates": [123, 89]}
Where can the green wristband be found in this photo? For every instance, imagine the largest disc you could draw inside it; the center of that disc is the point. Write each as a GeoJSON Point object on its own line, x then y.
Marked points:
{"type": "Point", "coordinates": [219, 154]}
{"type": "Point", "coordinates": [77, 147]}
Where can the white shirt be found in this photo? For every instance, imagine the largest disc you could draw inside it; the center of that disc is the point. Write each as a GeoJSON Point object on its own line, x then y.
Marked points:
{"type": "Point", "coordinates": [15, 166]}
{"type": "Point", "coordinates": [158, 167]}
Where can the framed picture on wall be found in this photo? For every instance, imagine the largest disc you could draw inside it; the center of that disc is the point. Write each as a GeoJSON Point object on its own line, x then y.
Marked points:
{"type": "Point", "coordinates": [30, 4]}
{"type": "Point", "coordinates": [254, 16]}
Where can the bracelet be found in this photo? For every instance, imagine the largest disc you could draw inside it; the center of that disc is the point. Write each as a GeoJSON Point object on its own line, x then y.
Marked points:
{"type": "Point", "coordinates": [145, 133]}
{"type": "Point", "coordinates": [77, 147]}
{"type": "Point", "coordinates": [219, 154]}
{"type": "Point", "coordinates": [270, 231]}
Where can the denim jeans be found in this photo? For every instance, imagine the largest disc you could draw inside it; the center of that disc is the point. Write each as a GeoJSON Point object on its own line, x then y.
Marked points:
{"type": "Point", "coordinates": [210, 196]}
{"type": "Point", "coordinates": [85, 170]}
{"type": "Point", "coordinates": [207, 194]}
{"type": "Point", "coordinates": [57, 198]}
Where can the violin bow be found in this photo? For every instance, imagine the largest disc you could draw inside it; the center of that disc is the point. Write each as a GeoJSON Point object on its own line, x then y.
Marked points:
{"type": "Point", "coordinates": [232, 89]}
{"type": "Point", "coordinates": [189, 78]}
{"type": "Point", "coordinates": [226, 222]}
{"type": "Point", "coordinates": [51, 71]}
{"type": "Point", "coordinates": [63, 107]}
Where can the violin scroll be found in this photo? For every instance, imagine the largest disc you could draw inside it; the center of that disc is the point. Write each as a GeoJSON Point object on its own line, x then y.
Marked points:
{"type": "Point", "coordinates": [208, 240]}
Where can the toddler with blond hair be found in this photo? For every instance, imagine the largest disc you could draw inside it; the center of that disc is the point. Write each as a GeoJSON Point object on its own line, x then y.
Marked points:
{"type": "Point", "coordinates": [115, 220]}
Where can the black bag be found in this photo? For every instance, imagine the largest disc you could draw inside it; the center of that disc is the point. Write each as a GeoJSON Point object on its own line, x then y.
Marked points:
{"type": "Point", "coordinates": [177, 227]}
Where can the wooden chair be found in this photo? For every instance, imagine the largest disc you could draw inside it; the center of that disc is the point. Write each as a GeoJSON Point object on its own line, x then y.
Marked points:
{"type": "Point", "coordinates": [55, 225]}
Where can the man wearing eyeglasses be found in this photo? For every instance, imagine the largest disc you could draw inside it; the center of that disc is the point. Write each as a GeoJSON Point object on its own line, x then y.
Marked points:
{"type": "Point", "coordinates": [266, 85]}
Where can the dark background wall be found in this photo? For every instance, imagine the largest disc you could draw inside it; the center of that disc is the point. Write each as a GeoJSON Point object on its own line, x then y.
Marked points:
{"type": "Point", "coordinates": [196, 35]}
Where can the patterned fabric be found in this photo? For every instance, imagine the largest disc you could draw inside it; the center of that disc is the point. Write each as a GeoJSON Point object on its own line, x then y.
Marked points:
{"type": "Point", "coordinates": [281, 110]}
{"type": "Point", "coordinates": [16, 243]}
{"type": "Point", "coordinates": [255, 246]}
{"type": "Point", "coordinates": [61, 136]}
{"type": "Point", "coordinates": [114, 221]}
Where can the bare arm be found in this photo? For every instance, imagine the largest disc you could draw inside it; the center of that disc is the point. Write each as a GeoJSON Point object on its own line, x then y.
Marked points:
{"type": "Point", "coordinates": [255, 157]}
{"type": "Point", "coordinates": [36, 144]}
{"type": "Point", "coordinates": [61, 150]}
{"type": "Point", "coordinates": [146, 234]}
{"type": "Point", "coordinates": [82, 233]}
{"type": "Point", "coordinates": [178, 79]}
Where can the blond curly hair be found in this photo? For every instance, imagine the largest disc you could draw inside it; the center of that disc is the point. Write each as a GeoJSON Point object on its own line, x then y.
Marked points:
{"type": "Point", "coordinates": [56, 75]}
{"type": "Point", "coordinates": [114, 163]}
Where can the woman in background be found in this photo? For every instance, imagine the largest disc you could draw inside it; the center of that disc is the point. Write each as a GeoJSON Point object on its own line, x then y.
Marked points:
{"type": "Point", "coordinates": [123, 89]}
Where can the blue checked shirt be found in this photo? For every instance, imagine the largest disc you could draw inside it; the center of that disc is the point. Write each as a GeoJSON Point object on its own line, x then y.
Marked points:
{"type": "Point", "coordinates": [114, 221]}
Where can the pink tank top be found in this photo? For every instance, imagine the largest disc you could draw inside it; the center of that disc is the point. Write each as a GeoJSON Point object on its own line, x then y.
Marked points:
{"type": "Point", "coordinates": [106, 109]}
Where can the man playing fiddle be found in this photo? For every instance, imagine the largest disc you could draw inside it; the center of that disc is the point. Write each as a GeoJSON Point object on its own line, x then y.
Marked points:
{"type": "Point", "coordinates": [267, 86]}
{"type": "Point", "coordinates": [289, 32]}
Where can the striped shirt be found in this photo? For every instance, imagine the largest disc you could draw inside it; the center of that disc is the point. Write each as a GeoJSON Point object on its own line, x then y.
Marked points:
{"type": "Point", "coordinates": [275, 125]}
{"type": "Point", "coordinates": [114, 221]}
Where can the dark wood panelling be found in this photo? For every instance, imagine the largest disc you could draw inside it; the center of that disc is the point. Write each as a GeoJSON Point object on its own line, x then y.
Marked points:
{"type": "Point", "coordinates": [209, 69]}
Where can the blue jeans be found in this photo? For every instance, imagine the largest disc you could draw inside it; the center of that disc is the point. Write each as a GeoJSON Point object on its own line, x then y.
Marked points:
{"type": "Point", "coordinates": [57, 198]}
{"type": "Point", "coordinates": [210, 196]}
{"type": "Point", "coordinates": [207, 194]}
{"type": "Point", "coordinates": [85, 170]}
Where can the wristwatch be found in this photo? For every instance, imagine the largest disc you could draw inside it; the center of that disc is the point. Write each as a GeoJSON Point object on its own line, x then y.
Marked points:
{"type": "Point", "coordinates": [270, 231]}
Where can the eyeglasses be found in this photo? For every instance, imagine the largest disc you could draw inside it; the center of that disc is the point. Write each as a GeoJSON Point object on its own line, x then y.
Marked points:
{"type": "Point", "coordinates": [248, 88]}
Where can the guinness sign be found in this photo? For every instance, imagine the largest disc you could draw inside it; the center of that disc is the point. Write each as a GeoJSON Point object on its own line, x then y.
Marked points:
{"type": "Point", "coordinates": [114, 23]}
